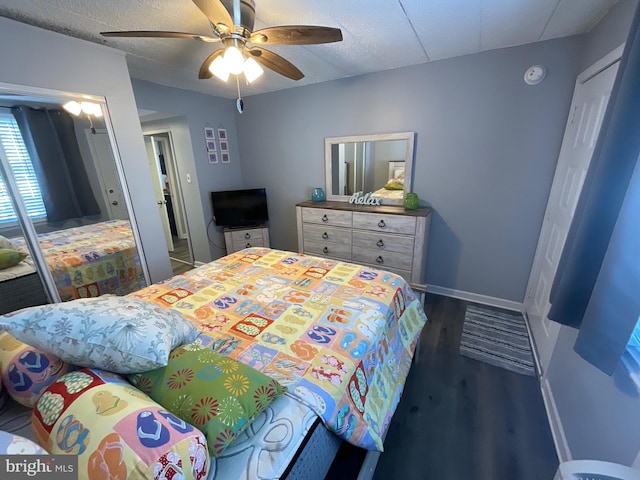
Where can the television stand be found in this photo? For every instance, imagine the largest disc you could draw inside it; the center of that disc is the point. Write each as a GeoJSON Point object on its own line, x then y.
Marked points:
{"type": "Point", "coordinates": [240, 238]}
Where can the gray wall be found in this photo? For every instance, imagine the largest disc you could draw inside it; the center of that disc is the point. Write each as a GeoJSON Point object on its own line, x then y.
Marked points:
{"type": "Point", "coordinates": [39, 58]}
{"type": "Point", "coordinates": [610, 32]}
{"type": "Point", "coordinates": [200, 111]}
{"type": "Point", "coordinates": [599, 414]}
{"type": "Point", "coordinates": [486, 150]}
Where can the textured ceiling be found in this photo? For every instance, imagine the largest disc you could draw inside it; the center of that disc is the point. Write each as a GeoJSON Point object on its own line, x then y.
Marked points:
{"type": "Point", "coordinates": [378, 34]}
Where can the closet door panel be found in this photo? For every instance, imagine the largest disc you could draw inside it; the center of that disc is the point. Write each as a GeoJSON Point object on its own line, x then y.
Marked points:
{"type": "Point", "coordinates": [78, 216]}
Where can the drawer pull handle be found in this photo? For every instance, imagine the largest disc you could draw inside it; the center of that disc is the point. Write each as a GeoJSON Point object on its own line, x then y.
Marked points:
{"type": "Point", "coordinates": [248, 245]}
{"type": "Point", "coordinates": [325, 218]}
{"type": "Point", "coordinates": [325, 235]}
{"type": "Point", "coordinates": [325, 250]}
{"type": "Point", "coordinates": [380, 259]}
{"type": "Point", "coordinates": [381, 224]}
{"type": "Point", "coordinates": [380, 243]}
{"type": "Point", "coordinates": [247, 236]}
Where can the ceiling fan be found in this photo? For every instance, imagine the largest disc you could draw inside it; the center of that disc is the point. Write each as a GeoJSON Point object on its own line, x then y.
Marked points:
{"type": "Point", "coordinates": [232, 24]}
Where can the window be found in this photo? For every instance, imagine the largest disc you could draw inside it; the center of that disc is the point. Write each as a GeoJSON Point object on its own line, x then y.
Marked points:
{"type": "Point", "coordinates": [23, 173]}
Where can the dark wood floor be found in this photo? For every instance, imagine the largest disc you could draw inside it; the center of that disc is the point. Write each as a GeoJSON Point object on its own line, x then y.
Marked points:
{"type": "Point", "coordinates": [463, 419]}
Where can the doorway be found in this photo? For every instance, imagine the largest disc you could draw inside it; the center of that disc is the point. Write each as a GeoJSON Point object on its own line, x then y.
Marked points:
{"type": "Point", "coordinates": [164, 172]}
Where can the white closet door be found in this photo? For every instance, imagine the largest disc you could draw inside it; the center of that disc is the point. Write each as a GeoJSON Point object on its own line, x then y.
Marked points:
{"type": "Point", "coordinates": [590, 100]}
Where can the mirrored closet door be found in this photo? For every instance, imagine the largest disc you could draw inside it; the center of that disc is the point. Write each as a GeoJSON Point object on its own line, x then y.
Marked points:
{"type": "Point", "coordinates": [63, 200]}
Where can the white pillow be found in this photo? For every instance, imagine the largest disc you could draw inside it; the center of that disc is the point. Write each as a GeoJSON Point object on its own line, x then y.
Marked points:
{"type": "Point", "coordinates": [5, 243]}
{"type": "Point", "coordinates": [119, 334]}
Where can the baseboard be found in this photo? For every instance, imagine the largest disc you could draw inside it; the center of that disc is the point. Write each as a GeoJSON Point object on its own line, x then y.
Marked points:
{"type": "Point", "coordinates": [198, 263]}
{"type": "Point", "coordinates": [557, 431]}
{"type": "Point", "coordinates": [476, 298]}
{"type": "Point", "coordinates": [532, 344]}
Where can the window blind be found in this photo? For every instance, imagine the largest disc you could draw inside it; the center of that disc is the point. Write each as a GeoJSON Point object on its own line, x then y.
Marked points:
{"type": "Point", "coordinates": [23, 173]}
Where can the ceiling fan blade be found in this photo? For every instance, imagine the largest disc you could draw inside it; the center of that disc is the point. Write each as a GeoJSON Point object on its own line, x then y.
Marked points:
{"type": "Point", "coordinates": [159, 34]}
{"type": "Point", "coordinates": [204, 68]}
{"type": "Point", "coordinates": [296, 35]}
{"type": "Point", "coordinates": [276, 63]}
{"type": "Point", "coordinates": [215, 11]}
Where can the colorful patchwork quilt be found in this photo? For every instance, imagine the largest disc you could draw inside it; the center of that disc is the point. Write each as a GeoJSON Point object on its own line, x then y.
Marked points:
{"type": "Point", "coordinates": [339, 336]}
{"type": "Point", "coordinates": [92, 260]}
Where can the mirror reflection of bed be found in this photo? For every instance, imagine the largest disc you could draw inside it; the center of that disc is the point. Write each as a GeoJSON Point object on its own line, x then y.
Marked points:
{"type": "Point", "coordinates": [62, 204]}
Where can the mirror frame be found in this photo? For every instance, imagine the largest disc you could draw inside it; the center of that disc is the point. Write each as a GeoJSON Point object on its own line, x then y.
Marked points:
{"type": "Point", "coordinates": [408, 159]}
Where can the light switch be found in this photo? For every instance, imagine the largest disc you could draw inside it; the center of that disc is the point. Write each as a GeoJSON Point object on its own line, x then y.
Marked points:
{"type": "Point", "coordinates": [188, 178]}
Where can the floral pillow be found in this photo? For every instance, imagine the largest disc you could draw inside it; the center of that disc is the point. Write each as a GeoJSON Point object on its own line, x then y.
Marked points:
{"type": "Point", "coordinates": [217, 394]}
{"type": "Point", "coordinates": [119, 334]}
{"type": "Point", "coordinates": [6, 243]}
{"type": "Point", "coordinates": [394, 184]}
{"type": "Point", "coordinates": [10, 257]}
{"type": "Point", "coordinates": [116, 431]}
{"type": "Point", "coordinates": [27, 371]}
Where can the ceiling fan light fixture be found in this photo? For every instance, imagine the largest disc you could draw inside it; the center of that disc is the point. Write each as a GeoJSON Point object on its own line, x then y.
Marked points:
{"type": "Point", "coordinates": [219, 68]}
{"type": "Point", "coordinates": [252, 70]}
{"type": "Point", "coordinates": [73, 107]}
{"type": "Point", "coordinates": [234, 60]}
{"type": "Point", "coordinates": [91, 108]}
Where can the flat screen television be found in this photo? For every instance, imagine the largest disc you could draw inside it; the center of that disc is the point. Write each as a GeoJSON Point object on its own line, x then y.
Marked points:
{"type": "Point", "coordinates": [240, 208]}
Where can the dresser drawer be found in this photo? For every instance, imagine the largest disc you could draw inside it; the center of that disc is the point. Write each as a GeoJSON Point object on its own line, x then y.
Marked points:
{"type": "Point", "coordinates": [323, 234]}
{"type": "Point", "coordinates": [385, 223]}
{"type": "Point", "coordinates": [327, 216]}
{"type": "Point", "coordinates": [382, 242]}
{"type": "Point", "coordinates": [243, 236]}
{"type": "Point", "coordinates": [383, 260]}
{"type": "Point", "coordinates": [242, 244]}
{"type": "Point", "coordinates": [326, 249]}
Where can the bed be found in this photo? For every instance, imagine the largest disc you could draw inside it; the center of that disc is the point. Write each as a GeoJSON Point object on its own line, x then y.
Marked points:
{"type": "Point", "coordinates": [91, 260]}
{"type": "Point", "coordinates": [20, 287]}
{"type": "Point", "coordinates": [339, 336]}
{"type": "Point", "coordinates": [394, 188]}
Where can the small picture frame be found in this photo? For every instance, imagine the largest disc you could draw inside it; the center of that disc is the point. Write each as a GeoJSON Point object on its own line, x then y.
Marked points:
{"type": "Point", "coordinates": [225, 157]}
{"type": "Point", "coordinates": [222, 134]}
{"type": "Point", "coordinates": [211, 146]}
{"type": "Point", "coordinates": [224, 146]}
{"type": "Point", "coordinates": [209, 133]}
{"type": "Point", "coordinates": [213, 157]}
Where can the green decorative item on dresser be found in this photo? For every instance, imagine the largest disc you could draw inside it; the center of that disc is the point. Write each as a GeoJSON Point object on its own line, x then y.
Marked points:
{"type": "Point", "coordinates": [411, 201]}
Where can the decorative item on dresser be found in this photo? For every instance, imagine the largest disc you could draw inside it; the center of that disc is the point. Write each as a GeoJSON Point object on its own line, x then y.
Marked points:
{"type": "Point", "coordinates": [241, 238]}
{"type": "Point", "coordinates": [385, 237]}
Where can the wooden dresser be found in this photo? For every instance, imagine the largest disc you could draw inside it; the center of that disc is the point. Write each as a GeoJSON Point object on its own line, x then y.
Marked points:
{"type": "Point", "coordinates": [385, 237]}
{"type": "Point", "coordinates": [240, 238]}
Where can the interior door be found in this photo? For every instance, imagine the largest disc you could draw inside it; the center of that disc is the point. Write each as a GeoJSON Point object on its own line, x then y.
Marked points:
{"type": "Point", "coordinates": [587, 110]}
{"type": "Point", "coordinates": [100, 145]}
{"type": "Point", "coordinates": [156, 177]}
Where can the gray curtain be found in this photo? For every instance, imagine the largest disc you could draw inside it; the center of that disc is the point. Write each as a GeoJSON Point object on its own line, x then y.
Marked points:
{"type": "Point", "coordinates": [51, 142]}
{"type": "Point", "coordinates": [596, 275]}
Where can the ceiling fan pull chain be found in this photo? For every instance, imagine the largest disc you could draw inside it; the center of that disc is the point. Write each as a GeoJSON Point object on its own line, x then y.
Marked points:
{"type": "Point", "coordinates": [239, 102]}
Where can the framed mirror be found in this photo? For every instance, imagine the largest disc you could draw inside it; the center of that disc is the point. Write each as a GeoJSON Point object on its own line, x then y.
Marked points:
{"type": "Point", "coordinates": [64, 204]}
{"type": "Point", "coordinates": [381, 164]}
